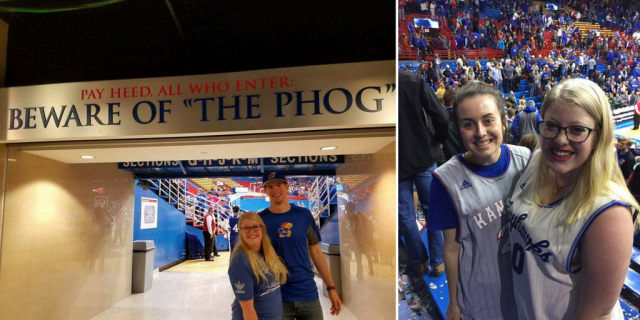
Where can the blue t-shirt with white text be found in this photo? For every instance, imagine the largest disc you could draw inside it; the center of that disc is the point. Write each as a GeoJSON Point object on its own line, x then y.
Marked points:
{"type": "Point", "coordinates": [233, 230]}
{"type": "Point", "coordinates": [266, 296]}
{"type": "Point", "coordinates": [288, 233]}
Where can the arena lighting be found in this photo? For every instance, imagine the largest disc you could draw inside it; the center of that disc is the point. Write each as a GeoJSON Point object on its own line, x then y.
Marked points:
{"type": "Point", "coordinates": [87, 157]}
{"type": "Point", "coordinates": [328, 148]}
{"type": "Point", "coordinates": [12, 160]}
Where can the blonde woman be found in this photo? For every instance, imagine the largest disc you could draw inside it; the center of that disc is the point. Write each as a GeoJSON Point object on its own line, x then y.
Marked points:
{"type": "Point", "coordinates": [256, 272]}
{"type": "Point", "coordinates": [571, 222]}
{"type": "Point", "coordinates": [477, 69]}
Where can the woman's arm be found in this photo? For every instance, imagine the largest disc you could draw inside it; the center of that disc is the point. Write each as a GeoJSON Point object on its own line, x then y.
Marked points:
{"type": "Point", "coordinates": [606, 251]}
{"type": "Point", "coordinates": [451, 254]}
{"type": "Point", "coordinates": [242, 283]}
{"type": "Point", "coordinates": [248, 311]}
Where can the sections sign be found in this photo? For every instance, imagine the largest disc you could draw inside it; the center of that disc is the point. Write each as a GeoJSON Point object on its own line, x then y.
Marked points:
{"type": "Point", "coordinates": [234, 162]}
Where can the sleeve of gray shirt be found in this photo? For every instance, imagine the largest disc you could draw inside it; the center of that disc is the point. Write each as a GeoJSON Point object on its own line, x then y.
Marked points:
{"type": "Point", "coordinates": [312, 238]}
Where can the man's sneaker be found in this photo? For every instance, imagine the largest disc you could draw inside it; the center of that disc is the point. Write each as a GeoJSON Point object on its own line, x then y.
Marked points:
{"type": "Point", "coordinates": [438, 270]}
{"type": "Point", "coordinates": [421, 268]}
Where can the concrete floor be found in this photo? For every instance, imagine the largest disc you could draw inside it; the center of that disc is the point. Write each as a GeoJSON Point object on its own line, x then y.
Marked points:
{"type": "Point", "coordinates": [191, 290]}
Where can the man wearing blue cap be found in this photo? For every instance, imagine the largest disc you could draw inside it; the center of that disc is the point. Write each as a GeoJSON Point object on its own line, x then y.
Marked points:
{"type": "Point", "coordinates": [295, 237]}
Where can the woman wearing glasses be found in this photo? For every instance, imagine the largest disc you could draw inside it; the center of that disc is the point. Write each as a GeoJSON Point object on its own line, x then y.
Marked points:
{"type": "Point", "coordinates": [256, 272]}
{"type": "Point", "coordinates": [571, 227]}
{"type": "Point", "coordinates": [474, 187]}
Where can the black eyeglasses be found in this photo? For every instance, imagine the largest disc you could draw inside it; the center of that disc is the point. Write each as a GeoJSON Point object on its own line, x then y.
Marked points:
{"type": "Point", "coordinates": [254, 228]}
{"type": "Point", "coordinates": [576, 134]}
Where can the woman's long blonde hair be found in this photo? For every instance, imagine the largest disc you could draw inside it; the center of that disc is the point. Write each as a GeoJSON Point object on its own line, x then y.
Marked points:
{"type": "Point", "coordinates": [600, 174]}
{"type": "Point", "coordinates": [271, 258]}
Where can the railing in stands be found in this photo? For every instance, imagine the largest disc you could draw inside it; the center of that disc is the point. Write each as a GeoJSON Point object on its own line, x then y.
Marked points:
{"type": "Point", "coordinates": [321, 195]}
{"type": "Point", "coordinates": [478, 54]}
{"type": "Point", "coordinates": [194, 206]}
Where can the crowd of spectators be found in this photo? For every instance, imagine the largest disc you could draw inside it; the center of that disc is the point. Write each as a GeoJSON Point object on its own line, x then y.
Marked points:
{"type": "Point", "coordinates": [520, 19]}
{"type": "Point", "coordinates": [300, 186]}
{"type": "Point", "coordinates": [566, 58]}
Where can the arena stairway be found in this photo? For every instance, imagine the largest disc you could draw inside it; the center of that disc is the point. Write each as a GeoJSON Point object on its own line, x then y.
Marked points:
{"type": "Point", "coordinates": [186, 202]}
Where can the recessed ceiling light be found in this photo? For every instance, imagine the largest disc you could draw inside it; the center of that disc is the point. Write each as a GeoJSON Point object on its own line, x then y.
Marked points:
{"type": "Point", "coordinates": [328, 148]}
{"type": "Point", "coordinates": [87, 157]}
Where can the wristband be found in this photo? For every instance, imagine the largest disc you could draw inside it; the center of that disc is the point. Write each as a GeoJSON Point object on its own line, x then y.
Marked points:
{"type": "Point", "coordinates": [329, 288]}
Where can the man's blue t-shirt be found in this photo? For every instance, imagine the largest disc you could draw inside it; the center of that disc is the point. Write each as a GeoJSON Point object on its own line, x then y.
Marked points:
{"type": "Point", "coordinates": [266, 295]}
{"type": "Point", "coordinates": [289, 232]}
{"type": "Point", "coordinates": [442, 213]}
{"type": "Point", "coordinates": [233, 230]}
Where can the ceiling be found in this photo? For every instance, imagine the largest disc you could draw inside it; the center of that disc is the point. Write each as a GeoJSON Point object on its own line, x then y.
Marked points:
{"type": "Point", "coordinates": [85, 40]}
{"type": "Point", "coordinates": [363, 141]}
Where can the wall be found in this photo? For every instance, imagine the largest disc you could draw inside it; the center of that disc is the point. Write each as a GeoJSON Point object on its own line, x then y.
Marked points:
{"type": "Point", "coordinates": [3, 162]}
{"type": "Point", "coordinates": [66, 249]}
{"type": "Point", "coordinates": [368, 234]}
{"type": "Point", "coordinates": [4, 37]}
{"type": "Point", "coordinates": [169, 237]}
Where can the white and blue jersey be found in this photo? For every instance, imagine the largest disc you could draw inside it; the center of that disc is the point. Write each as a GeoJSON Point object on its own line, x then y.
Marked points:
{"type": "Point", "coordinates": [291, 233]}
{"type": "Point", "coordinates": [545, 255]}
{"type": "Point", "coordinates": [266, 295]}
{"type": "Point", "coordinates": [233, 230]}
{"type": "Point", "coordinates": [473, 202]}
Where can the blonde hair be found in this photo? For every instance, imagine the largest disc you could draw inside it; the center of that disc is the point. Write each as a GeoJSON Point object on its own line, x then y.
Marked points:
{"type": "Point", "coordinates": [626, 140]}
{"type": "Point", "coordinates": [271, 258]}
{"type": "Point", "coordinates": [600, 174]}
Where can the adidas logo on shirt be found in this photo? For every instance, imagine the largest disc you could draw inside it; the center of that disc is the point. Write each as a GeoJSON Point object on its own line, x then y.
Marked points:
{"type": "Point", "coordinates": [465, 185]}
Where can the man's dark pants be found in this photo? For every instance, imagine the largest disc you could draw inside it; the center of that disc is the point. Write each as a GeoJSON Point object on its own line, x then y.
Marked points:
{"type": "Point", "coordinates": [208, 244]}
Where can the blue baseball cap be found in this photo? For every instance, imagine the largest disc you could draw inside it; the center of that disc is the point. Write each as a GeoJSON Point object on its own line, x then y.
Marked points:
{"type": "Point", "coordinates": [273, 175]}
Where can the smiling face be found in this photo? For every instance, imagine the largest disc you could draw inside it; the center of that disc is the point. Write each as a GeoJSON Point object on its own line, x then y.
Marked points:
{"type": "Point", "coordinates": [277, 191]}
{"type": "Point", "coordinates": [564, 157]}
{"type": "Point", "coordinates": [481, 128]}
{"type": "Point", "coordinates": [253, 238]}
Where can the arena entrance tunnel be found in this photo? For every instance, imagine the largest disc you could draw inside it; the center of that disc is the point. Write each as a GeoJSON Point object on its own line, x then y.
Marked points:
{"type": "Point", "coordinates": [73, 209]}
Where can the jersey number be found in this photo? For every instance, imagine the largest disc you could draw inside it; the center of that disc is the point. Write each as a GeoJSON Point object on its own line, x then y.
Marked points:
{"type": "Point", "coordinates": [235, 228]}
{"type": "Point", "coordinates": [517, 258]}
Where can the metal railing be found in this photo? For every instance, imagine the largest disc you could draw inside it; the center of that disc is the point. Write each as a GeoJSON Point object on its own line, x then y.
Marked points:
{"type": "Point", "coordinates": [194, 206]}
{"type": "Point", "coordinates": [321, 194]}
